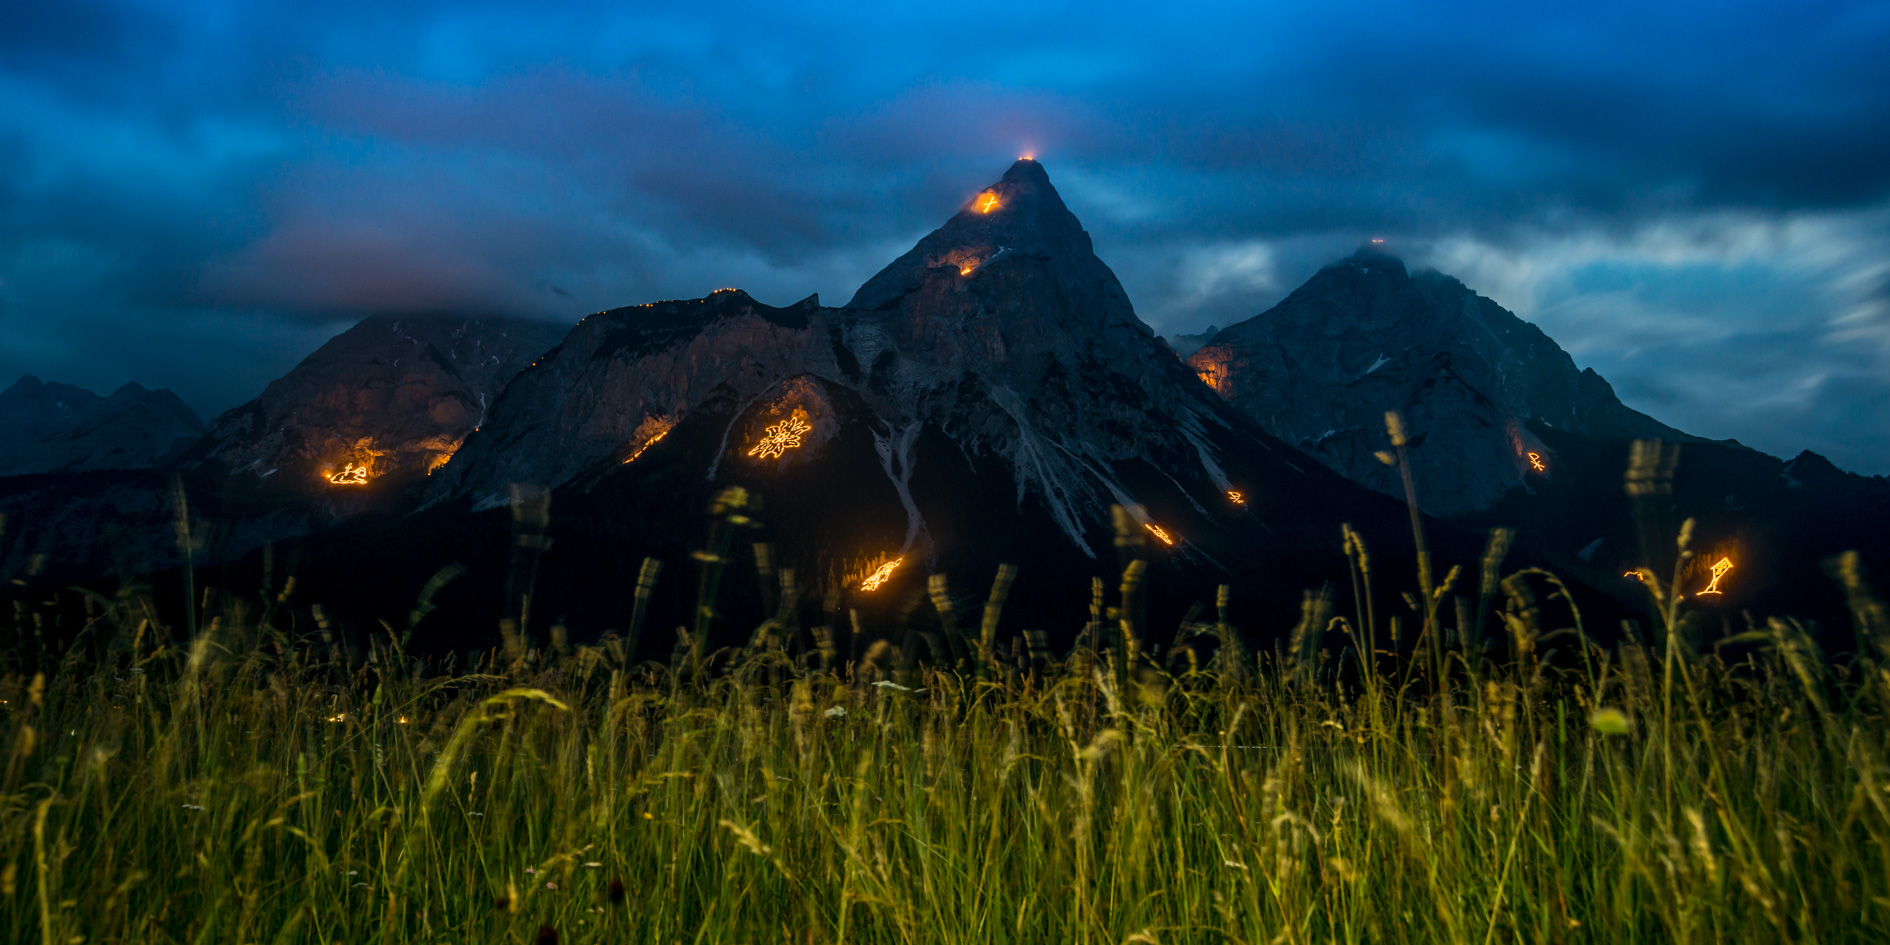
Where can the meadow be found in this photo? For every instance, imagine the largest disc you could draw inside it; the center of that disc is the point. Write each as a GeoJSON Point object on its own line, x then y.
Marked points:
{"type": "Point", "coordinates": [248, 778]}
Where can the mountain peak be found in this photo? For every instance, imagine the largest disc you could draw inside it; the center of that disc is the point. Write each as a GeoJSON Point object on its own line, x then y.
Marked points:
{"type": "Point", "coordinates": [1026, 169]}
{"type": "Point", "coordinates": [1019, 215]}
{"type": "Point", "coordinates": [1373, 254]}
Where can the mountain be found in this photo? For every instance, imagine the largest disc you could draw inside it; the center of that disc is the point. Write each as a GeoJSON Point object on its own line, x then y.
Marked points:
{"type": "Point", "coordinates": [59, 428]}
{"type": "Point", "coordinates": [1488, 397]}
{"type": "Point", "coordinates": [390, 398]}
{"type": "Point", "coordinates": [1364, 336]}
{"type": "Point", "coordinates": [985, 398]}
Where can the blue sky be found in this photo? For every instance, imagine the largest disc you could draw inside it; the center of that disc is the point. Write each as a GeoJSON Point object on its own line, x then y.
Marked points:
{"type": "Point", "coordinates": [1694, 199]}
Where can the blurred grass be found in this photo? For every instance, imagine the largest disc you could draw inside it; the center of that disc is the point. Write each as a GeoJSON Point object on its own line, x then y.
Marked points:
{"type": "Point", "coordinates": [245, 784]}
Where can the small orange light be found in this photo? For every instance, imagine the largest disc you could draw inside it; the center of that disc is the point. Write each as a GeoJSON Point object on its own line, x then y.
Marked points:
{"type": "Point", "coordinates": [966, 270]}
{"type": "Point", "coordinates": [1535, 462]}
{"type": "Point", "coordinates": [1236, 497]}
{"type": "Point", "coordinates": [1156, 530]}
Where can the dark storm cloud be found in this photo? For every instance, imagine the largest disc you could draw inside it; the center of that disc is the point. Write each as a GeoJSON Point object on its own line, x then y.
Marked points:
{"type": "Point", "coordinates": [191, 186]}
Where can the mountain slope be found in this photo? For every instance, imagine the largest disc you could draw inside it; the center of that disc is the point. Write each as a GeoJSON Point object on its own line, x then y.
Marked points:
{"type": "Point", "coordinates": [1363, 336]}
{"type": "Point", "coordinates": [391, 396]}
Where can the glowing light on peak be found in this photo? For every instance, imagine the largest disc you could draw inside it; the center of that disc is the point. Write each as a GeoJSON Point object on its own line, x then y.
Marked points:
{"type": "Point", "coordinates": [1719, 571]}
{"type": "Point", "coordinates": [781, 437]}
{"type": "Point", "coordinates": [988, 204]}
{"type": "Point", "coordinates": [1377, 240]}
{"type": "Point", "coordinates": [965, 269]}
{"type": "Point", "coordinates": [1535, 463]}
{"type": "Point", "coordinates": [879, 576]}
{"type": "Point", "coordinates": [1156, 530]}
{"type": "Point", "coordinates": [1028, 157]}
{"type": "Point", "coordinates": [1236, 497]}
{"type": "Point", "coordinates": [349, 475]}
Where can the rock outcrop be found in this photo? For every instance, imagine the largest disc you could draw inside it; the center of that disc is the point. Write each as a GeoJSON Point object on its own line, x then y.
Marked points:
{"type": "Point", "coordinates": [1363, 336]}
{"type": "Point", "coordinates": [390, 398]}
{"type": "Point", "coordinates": [59, 428]}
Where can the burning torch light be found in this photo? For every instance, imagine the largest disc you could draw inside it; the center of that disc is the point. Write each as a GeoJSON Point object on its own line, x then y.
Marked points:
{"type": "Point", "coordinates": [878, 577]}
{"type": "Point", "coordinates": [781, 437]}
{"type": "Point", "coordinates": [1156, 530]}
{"type": "Point", "coordinates": [965, 269]}
{"type": "Point", "coordinates": [1719, 571]}
{"type": "Point", "coordinates": [1236, 497]}
{"type": "Point", "coordinates": [651, 442]}
{"type": "Point", "coordinates": [988, 204]}
{"type": "Point", "coordinates": [1535, 462]}
{"type": "Point", "coordinates": [349, 475]}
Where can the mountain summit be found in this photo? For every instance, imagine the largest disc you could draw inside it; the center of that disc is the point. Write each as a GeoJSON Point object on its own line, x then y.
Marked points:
{"type": "Point", "coordinates": [1364, 335]}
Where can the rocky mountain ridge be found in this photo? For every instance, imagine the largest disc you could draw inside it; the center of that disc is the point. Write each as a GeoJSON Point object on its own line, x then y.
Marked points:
{"type": "Point", "coordinates": [60, 428]}
{"type": "Point", "coordinates": [1364, 336]}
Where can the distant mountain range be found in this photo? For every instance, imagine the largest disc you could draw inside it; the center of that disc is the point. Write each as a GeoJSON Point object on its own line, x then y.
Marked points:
{"type": "Point", "coordinates": [59, 428]}
{"type": "Point", "coordinates": [986, 398]}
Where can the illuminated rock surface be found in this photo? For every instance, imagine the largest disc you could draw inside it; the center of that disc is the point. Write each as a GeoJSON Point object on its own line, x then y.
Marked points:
{"type": "Point", "coordinates": [47, 428]}
{"type": "Point", "coordinates": [394, 395]}
{"type": "Point", "coordinates": [1364, 336]}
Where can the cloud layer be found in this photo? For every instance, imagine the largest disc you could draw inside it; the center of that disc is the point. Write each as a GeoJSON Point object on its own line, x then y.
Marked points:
{"type": "Point", "coordinates": [1693, 199]}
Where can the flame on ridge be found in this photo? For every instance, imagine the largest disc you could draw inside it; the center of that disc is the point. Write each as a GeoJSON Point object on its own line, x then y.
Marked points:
{"type": "Point", "coordinates": [879, 576]}
{"type": "Point", "coordinates": [1535, 462]}
{"type": "Point", "coordinates": [988, 204]}
{"type": "Point", "coordinates": [1236, 497]}
{"type": "Point", "coordinates": [1156, 530]}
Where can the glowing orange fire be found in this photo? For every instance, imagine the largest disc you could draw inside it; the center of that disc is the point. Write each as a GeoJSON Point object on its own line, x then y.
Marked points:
{"type": "Point", "coordinates": [990, 203]}
{"type": "Point", "coordinates": [1156, 530]}
{"type": "Point", "coordinates": [965, 270]}
{"type": "Point", "coordinates": [782, 436]}
{"type": "Point", "coordinates": [1236, 497]}
{"type": "Point", "coordinates": [878, 577]}
{"type": "Point", "coordinates": [1719, 571]}
{"type": "Point", "coordinates": [349, 475]}
{"type": "Point", "coordinates": [443, 456]}
{"type": "Point", "coordinates": [1535, 462]}
{"type": "Point", "coordinates": [651, 442]}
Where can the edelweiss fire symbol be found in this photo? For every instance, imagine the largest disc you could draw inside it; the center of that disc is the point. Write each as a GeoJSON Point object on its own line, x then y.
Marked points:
{"type": "Point", "coordinates": [1719, 571]}
{"type": "Point", "coordinates": [781, 437]}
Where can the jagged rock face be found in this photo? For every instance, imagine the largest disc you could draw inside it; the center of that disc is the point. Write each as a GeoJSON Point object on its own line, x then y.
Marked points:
{"type": "Point", "coordinates": [1364, 336]}
{"type": "Point", "coordinates": [389, 398]}
{"type": "Point", "coordinates": [1000, 341]}
{"type": "Point", "coordinates": [46, 428]}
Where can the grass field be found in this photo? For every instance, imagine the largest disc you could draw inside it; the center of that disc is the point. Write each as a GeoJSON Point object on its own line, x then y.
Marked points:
{"type": "Point", "coordinates": [239, 784]}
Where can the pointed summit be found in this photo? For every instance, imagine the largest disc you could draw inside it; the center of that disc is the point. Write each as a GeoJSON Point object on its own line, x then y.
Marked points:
{"type": "Point", "coordinates": [1019, 216]}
